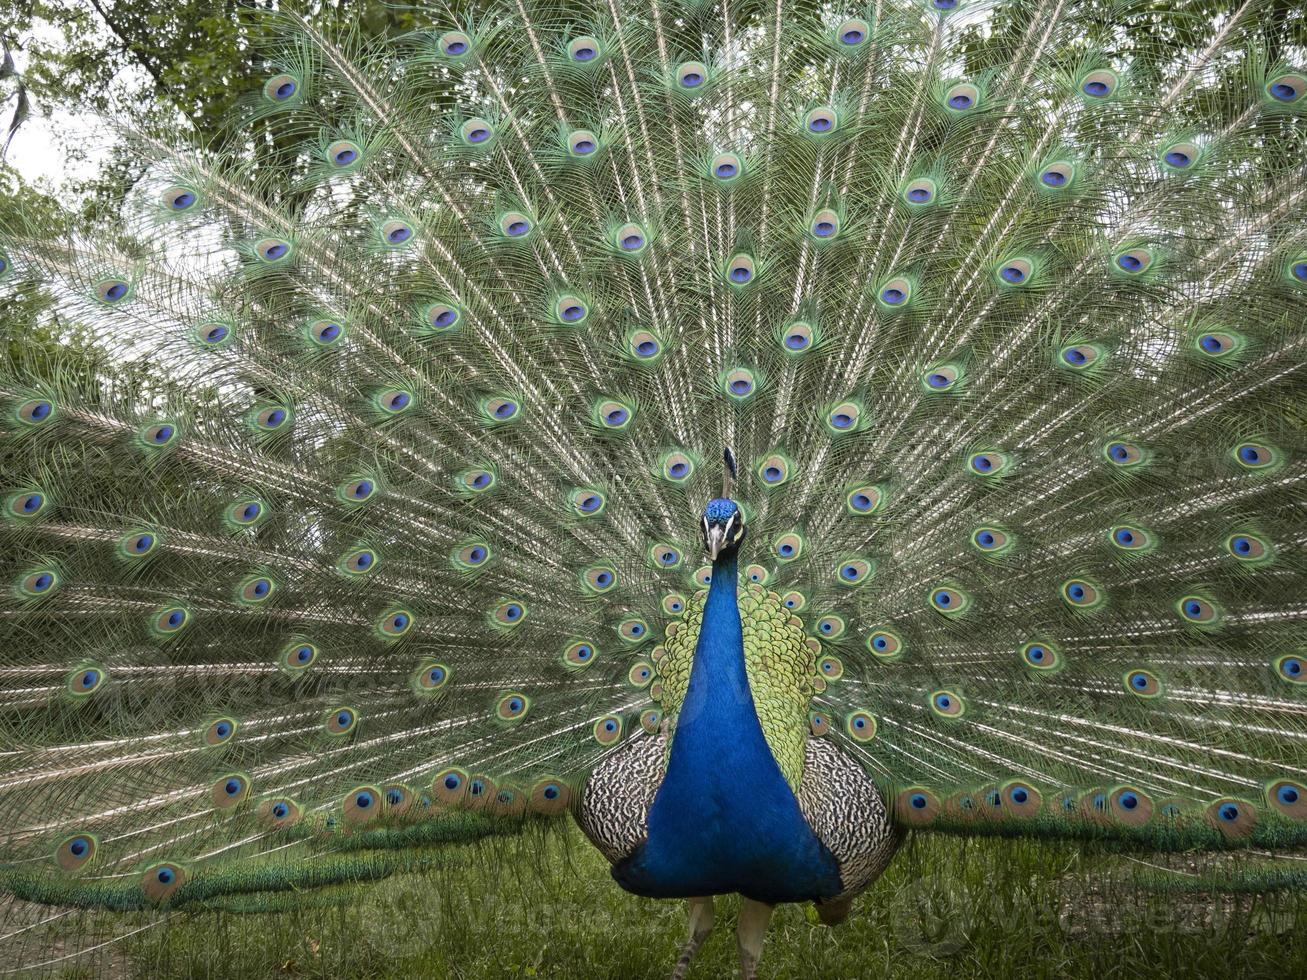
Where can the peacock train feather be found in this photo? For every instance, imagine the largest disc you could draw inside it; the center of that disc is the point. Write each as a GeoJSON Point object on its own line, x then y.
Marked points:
{"type": "Point", "coordinates": [397, 535]}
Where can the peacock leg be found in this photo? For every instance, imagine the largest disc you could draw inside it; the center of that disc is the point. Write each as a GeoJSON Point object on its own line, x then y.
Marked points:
{"type": "Point", "coordinates": [701, 915]}
{"type": "Point", "coordinates": [750, 933]}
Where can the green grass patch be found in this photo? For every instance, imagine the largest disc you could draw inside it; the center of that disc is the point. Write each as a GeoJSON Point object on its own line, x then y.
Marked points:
{"type": "Point", "coordinates": [543, 905]}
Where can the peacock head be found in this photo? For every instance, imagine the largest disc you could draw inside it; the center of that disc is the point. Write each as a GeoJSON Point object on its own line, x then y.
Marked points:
{"type": "Point", "coordinates": [722, 527]}
{"type": "Point", "coordinates": [723, 521]}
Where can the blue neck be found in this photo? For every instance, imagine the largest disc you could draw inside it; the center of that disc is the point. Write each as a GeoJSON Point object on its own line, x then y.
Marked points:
{"type": "Point", "coordinates": [718, 699]}
{"type": "Point", "coordinates": [724, 819]}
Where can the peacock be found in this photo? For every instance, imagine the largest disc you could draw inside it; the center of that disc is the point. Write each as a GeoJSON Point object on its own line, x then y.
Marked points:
{"type": "Point", "coordinates": [760, 431]}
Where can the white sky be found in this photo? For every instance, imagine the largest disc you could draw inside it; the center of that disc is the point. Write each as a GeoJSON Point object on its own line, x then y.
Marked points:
{"type": "Point", "coordinates": [54, 147]}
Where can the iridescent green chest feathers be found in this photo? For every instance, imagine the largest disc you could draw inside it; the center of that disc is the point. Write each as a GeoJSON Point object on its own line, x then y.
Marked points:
{"type": "Point", "coordinates": [779, 658]}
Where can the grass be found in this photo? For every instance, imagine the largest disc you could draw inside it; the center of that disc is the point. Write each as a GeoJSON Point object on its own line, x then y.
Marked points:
{"type": "Point", "coordinates": [544, 906]}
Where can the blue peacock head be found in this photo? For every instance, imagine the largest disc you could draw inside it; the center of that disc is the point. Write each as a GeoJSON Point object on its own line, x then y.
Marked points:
{"type": "Point", "coordinates": [722, 524]}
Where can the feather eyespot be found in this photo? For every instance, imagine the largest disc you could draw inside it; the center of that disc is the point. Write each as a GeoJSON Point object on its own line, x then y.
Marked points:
{"type": "Point", "coordinates": [1123, 454]}
{"type": "Point", "coordinates": [356, 490]}
{"type": "Point", "coordinates": [1292, 669]}
{"type": "Point", "coordinates": [582, 143]}
{"type": "Point", "coordinates": [830, 628]}
{"type": "Point", "coordinates": [170, 620]}
{"type": "Point", "coordinates": [674, 604]}
{"type": "Point", "coordinates": [947, 704]}
{"type": "Point", "coordinates": [212, 334]}
{"type": "Point", "coordinates": [739, 383]}
{"type": "Point", "coordinates": [360, 561]}
{"type": "Point", "coordinates": [1142, 683]}
{"type": "Point", "coordinates": [691, 75]}
{"type": "Point", "coordinates": [1254, 455]}
{"type": "Point", "coordinates": [512, 706]}
{"type": "Point", "coordinates": [825, 225]}
{"type": "Point", "coordinates": [797, 337]}
{"type": "Point", "coordinates": [587, 503]}
{"type": "Point", "coordinates": [640, 674]}
{"type": "Point", "coordinates": [180, 198]}
{"type": "Point", "coordinates": [844, 417]}
{"type": "Point", "coordinates": [1016, 272]}
{"type": "Point", "coordinates": [613, 415]}
{"type": "Point", "coordinates": [1286, 89]}
{"type": "Point", "coordinates": [343, 154]}
{"type": "Point", "coordinates": [509, 613]}
{"type": "Point", "coordinates": [395, 233]}
{"type": "Point", "coordinates": [580, 653]}
{"type": "Point", "coordinates": [990, 464]}
{"type": "Point", "coordinates": [40, 583]}
{"type": "Point", "coordinates": [35, 411]}
{"type": "Point", "coordinates": [1081, 593]}
{"type": "Point", "coordinates": [949, 600]}
{"type": "Point", "coordinates": [1180, 156]}
{"type": "Point", "coordinates": [161, 881]}
{"type": "Point", "coordinates": [1041, 656]}
{"type": "Point", "coordinates": [860, 726]}
{"type": "Point", "coordinates": [571, 310]}
{"type": "Point", "coordinates": [76, 852]}
{"type": "Point", "coordinates": [853, 571]}
{"type": "Point", "coordinates": [271, 417]}
{"type": "Point", "coordinates": [279, 814]}
{"type": "Point", "coordinates": [756, 574]}
{"type": "Point", "coordinates": [85, 680]}
{"type": "Point", "coordinates": [441, 317]}
{"type": "Point", "coordinates": [1247, 547]}
{"type": "Point", "coordinates": [633, 630]}
{"type": "Point", "coordinates": [220, 731]}
{"type": "Point", "coordinates": [677, 467]}
{"type": "Point", "coordinates": [298, 656]}
{"type": "Point", "coordinates": [788, 546]}
{"type": "Point", "coordinates": [864, 500]}
{"type": "Point", "coordinates": [341, 720]}
{"type": "Point", "coordinates": [1125, 537]}
{"type": "Point", "coordinates": [515, 224]}
{"type": "Point", "coordinates": [942, 378]}
{"type": "Point", "coordinates": [500, 409]}
{"type": "Point", "coordinates": [1099, 84]}
{"type": "Point", "coordinates": [477, 480]}
{"type": "Point", "coordinates": [256, 590]}
{"type": "Point", "coordinates": [324, 333]}
{"type": "Point", "coordinates": [477, 131]}
{"type": "Point", "coordinates": [774, 470]}
{"type": "Point", "coordinates": [1133, 261]}
{"type": "Point", "coordinates": [27, 504]}
{"type": "Point", "coordinates": [1289, 798]}
{"type": "Point", "coordinates": [665, 556]}
{"type": "Point", "coordinates": [895, 294]}
{"type": "Point", "coordinates": [608, 730]}
{"type": "Point", "coordinates": [113, 290]}
{"type": "Point", "coordinates": [281, 88]}
{"type": "Point", "coordinates": [584, 49]}
{"type": "Point", "coordinates": [740, 270]}
{"type": "Point", "coordinates": [644, 345]}
{"type": "Point", "coordinates": [454, 45]}
{"type": "Point", "coordinates": [230, 790]}
{"type": "Point", "coordinates": [885, 645]}
{"type": "Point", "coordinates": [726, 167]}
{"type": "Point", "coordinates": [821, 121]}
{"type": "Point", "coordinates": [273, 250]}
{"type": "Point", "coordinates": [1057, 176]}
{"type": "Point", "coordinates": [630, 239]}
{"type": "Point", "coordinates": [852, 33]}
{"type": "Point", "coordinates": [395, 623]}
{"type": "Point", "coordinates": [920, 192]}
{"type": "Point", "coordinates": [599, 579]}
{"type": "Point", "coordinates": [1197, 610]}
{"type": "Point", "coordinates": [471, 555]}
{"type": "Point", "coordinates": [962, 97]}
{"type": "Point", "coordinates": [794, 601]}
{"type": "Point", "coordinates": [137, 544]}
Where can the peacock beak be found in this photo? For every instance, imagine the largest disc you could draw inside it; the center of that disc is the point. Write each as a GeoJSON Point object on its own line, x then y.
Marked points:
{"type": "Point", "coordinates": [715, 539]}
